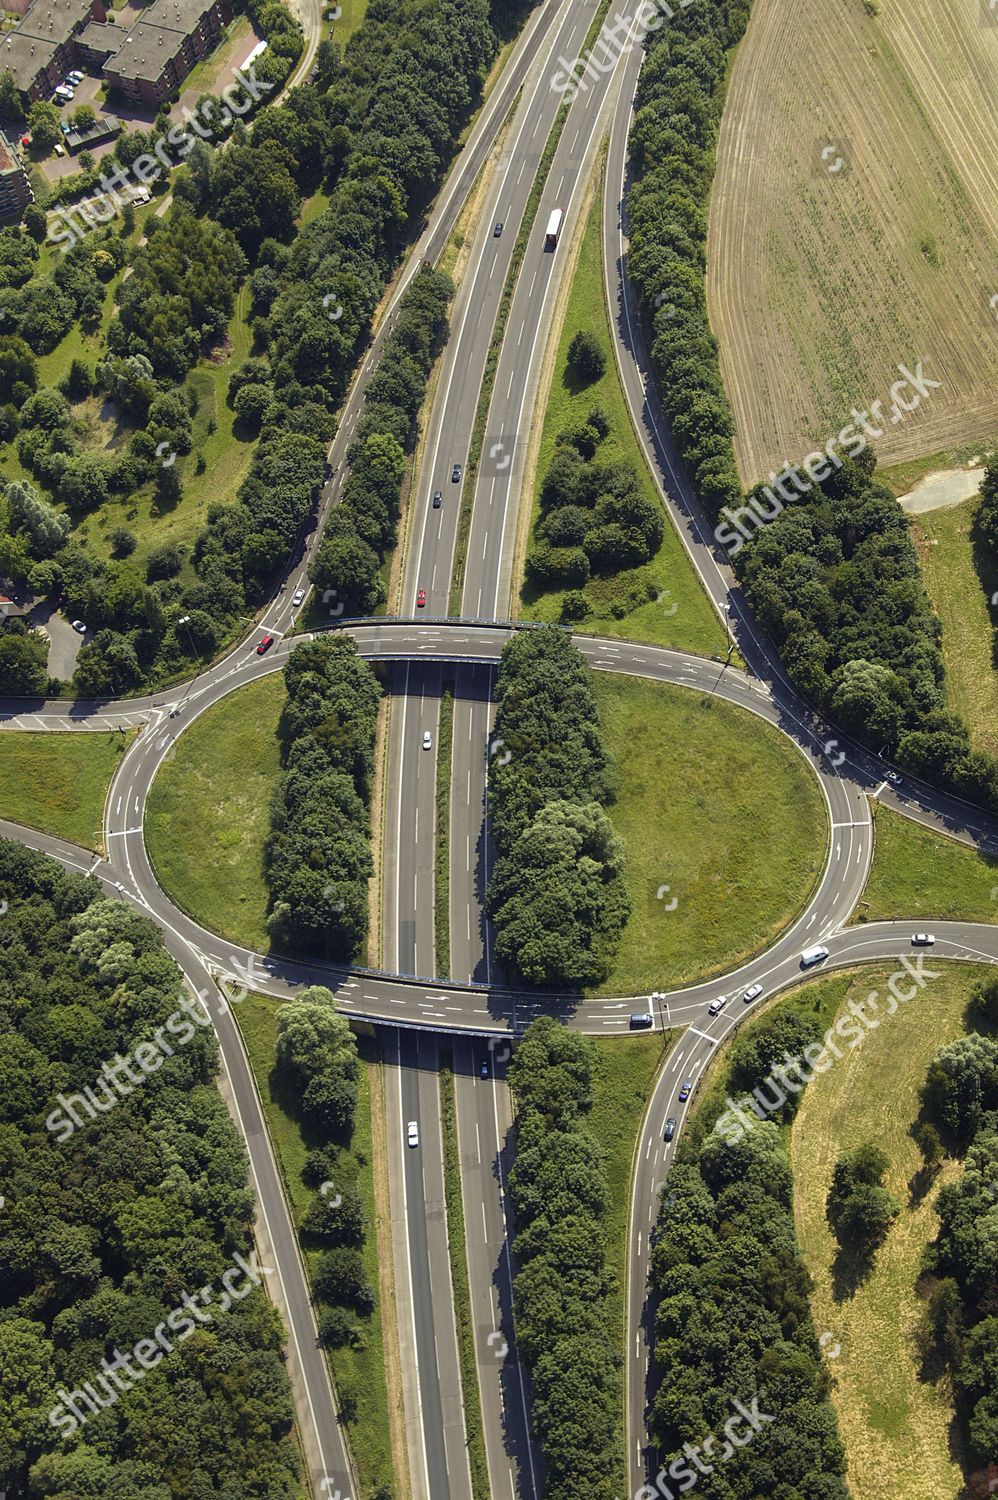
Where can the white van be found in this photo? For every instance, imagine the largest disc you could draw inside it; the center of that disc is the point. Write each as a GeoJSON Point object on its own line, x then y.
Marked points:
{"type": "Point", "coordinates": [812, 956]}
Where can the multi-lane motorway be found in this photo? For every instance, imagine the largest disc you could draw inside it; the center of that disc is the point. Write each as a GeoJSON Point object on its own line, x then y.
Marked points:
{"type": "Point", "coordinates": [475, 1013]}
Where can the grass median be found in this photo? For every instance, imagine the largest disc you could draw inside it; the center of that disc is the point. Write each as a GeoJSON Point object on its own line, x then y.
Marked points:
{"type": "Point", "coordinates": [359, 1371]}
{"type": "Point", "coordinates": [57, 782]}
{"type": "Point", "coordinates": [918, 873]}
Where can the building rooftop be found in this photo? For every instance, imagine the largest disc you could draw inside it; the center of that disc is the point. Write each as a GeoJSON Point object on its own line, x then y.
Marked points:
{"type": "Point", "coordinates": [9, 162]}
{"type": "Point", "coordinates": [145, 52]}
{"type": "Point", "coordinates": [54, 20]}
{"type": "Point", "coordinates": [23, 56]}
{"type": "Point", "coordinates": [176, 15]}
{"type": "Point", "coordinates": [103, 36]}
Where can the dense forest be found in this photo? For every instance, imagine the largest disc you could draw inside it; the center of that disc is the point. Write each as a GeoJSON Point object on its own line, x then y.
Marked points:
{"type": "Point", "coordinates": [375, 133]}
{"type": "Point", "coordinates": [560, 1193]}
{"type": "Point", "coordinates": [733, 1332]}
{"type": "Point", "coordinates": [123, 1221]}
{"type": "Point", "coordinates": [557, 892]}
{"type": "Point", "coordinates": [319, 852]}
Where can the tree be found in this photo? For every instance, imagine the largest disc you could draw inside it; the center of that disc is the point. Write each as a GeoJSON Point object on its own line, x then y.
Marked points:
{"type": "Point", "coordinates": [860, 1209]}
{"type": "Point", "coordinates": [586, 358]}
{"type": "Point", "coordinates": [250, 404]}
{"type": "Point", "coordinates": [44, 125]}
{"type": "Point", "coordinates": [35, 222]}
{"type": "Point", "coordinates": [22, 664]}
{"type": "Point", "coordinates": [45, 527]}
{"type": "Point", "coordinates": [83, 117]}
{"type": "Point", "coordinates": [121, 541]}
{"type": "Point", "coordinates": [10, 97]}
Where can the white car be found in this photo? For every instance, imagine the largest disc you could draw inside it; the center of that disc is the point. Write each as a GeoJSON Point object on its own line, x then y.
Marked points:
{"type": "Point", "coordinates": [75, 77]}
{"type": "Point", "coordinates": [427, 739]}
{"type": "Point", "coordinates": [922, 940]}
{"type": "Point", "coordinates": [752, 993]}
{"type": "Point", "coordinates": [78, 625]}
{"type": "Point", "coordinates": [298, 597]}
{"type": "Point", "coordinates": [717, 1005]}
{"type": "Point", "coordinates": [412, 1133]}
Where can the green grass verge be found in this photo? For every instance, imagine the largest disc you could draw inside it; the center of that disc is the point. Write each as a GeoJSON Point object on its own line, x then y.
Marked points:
{"type": "Point", "coordinates": [57, 782]}
{"type": "Point", "coordinates": [360, 1372]}
{"type": "Point", "coordinates": [895, 1422]}
{"type": "Point", "coordinates": [959, 585]}
{"type": "Point", "coordinates": [679, 613]}
{"type": "Point", "coordinates": [477, 1458]}
{"type": "Point", "coordinates": [918, 873]}
{"type": "Point", "coordinates": [627, 1069]}
{"type": "Point", "coordinates": [441, 882]}
{"type": "Point", "coordinates": [719, 812]}
{"type": "Point", "coordinates": [208, 814]}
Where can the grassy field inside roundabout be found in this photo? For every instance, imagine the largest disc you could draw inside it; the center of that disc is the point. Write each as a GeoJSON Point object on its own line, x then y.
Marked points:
{"type": "Point", "coordinates": [208, 813]}
{"type": "Point", "coordinates": [723, 823]}
{"type": "Point", "coordinates": [712, 803]}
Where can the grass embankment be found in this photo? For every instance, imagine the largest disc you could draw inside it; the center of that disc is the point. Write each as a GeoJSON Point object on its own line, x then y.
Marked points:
{"type": "Point", "coordinates": [441, 882]}
{"type": "Point", "coordinates": [918, 873]}
{"type": "Point", "coordinates": [959, 594]}
{"type": "Point", "coordinates": [719, 812]}
{"type": "Point", "coordinates": [457, 1245]}
{"type": "Point", "coordinates": [359, 1372]}
{"type": "Point", "coordinates": [681, 615]}
{"type": "Point", "coordinates": [57, 782]}
{"type": "Point", "coordinates": [627, 1070]}
{"type": "Point", "coordinates": [895, 1423]}
{"type": "Point", "coordinates": [208, 814]}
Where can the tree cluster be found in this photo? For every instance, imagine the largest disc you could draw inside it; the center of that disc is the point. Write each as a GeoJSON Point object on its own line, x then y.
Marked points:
{"type": "Point", "coordinates": [560, 1192]}
{"type": "Point", "coordinates": [363, 527]}
{"type": "Point", "coordinates": [595, 518]}
{"type": "Point", "coordinates": [319, 853]}
{"type": "Point", "coordinates": [960, 1322]}
{"type": "Point", "coordinates": [557, 893]}
{"type": "Point", "coordinates": [678, 108]}
{"type": "Point", "coordinates": [733, 1323]}
{"type": "Point", "coordinates": [103, 1233]}
{"type": "Point", "coordinates": [317, 1071]}
{"type": "Point", "coordinates": [834, 579]}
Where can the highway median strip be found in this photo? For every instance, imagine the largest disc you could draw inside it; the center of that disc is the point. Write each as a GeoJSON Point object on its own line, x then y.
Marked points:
{"type": "Point", "coordinates": [441, 884]}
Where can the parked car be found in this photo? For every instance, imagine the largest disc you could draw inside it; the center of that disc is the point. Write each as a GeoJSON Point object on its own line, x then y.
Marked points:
{"type": "Point", "coordinates": [75, 77]}
{"type": "Point", "coordinates": [922, 940]}
{"type": "Point", "coordinates": [717, 1005]}
{"type": "Point", "coordinates": [812, 956]}
{"type": "Point", "coordinates": [752, 993]}
{"type": "Point", "coordinates": [265, 645]}
{"type": "Point", "coordinates": [412, 1133]}
{"type": "Point", "coordinates": [670, 1128]}
{"type": "Point", "coordinates": [79, 625]}
{"type": "Point", "coordinates": [686, 1090]}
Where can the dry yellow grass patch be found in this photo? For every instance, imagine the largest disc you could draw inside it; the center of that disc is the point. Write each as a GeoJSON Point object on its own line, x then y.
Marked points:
{"type": "Point", "coordinates": [821, 282]}
{"type": "Point", "coordinates": [896, 1427]}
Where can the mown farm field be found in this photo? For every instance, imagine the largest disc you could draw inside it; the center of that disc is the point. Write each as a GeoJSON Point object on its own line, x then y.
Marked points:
{"type": "Point", "coordinates": [854, 224]}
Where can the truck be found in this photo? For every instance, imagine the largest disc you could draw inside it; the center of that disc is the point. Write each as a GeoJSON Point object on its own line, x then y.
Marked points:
{"type": "Point", "coordinates": [553, 230]}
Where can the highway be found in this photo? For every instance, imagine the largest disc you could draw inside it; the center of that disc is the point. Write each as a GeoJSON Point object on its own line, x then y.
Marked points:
{"type": "Point", "coordinates": [476, 1012]}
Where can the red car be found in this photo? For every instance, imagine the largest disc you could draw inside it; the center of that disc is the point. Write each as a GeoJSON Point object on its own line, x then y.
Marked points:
{"type": "Point", "coordinates": [265, 645]}
{"type": "Point", "coordinates": [421, 599]}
